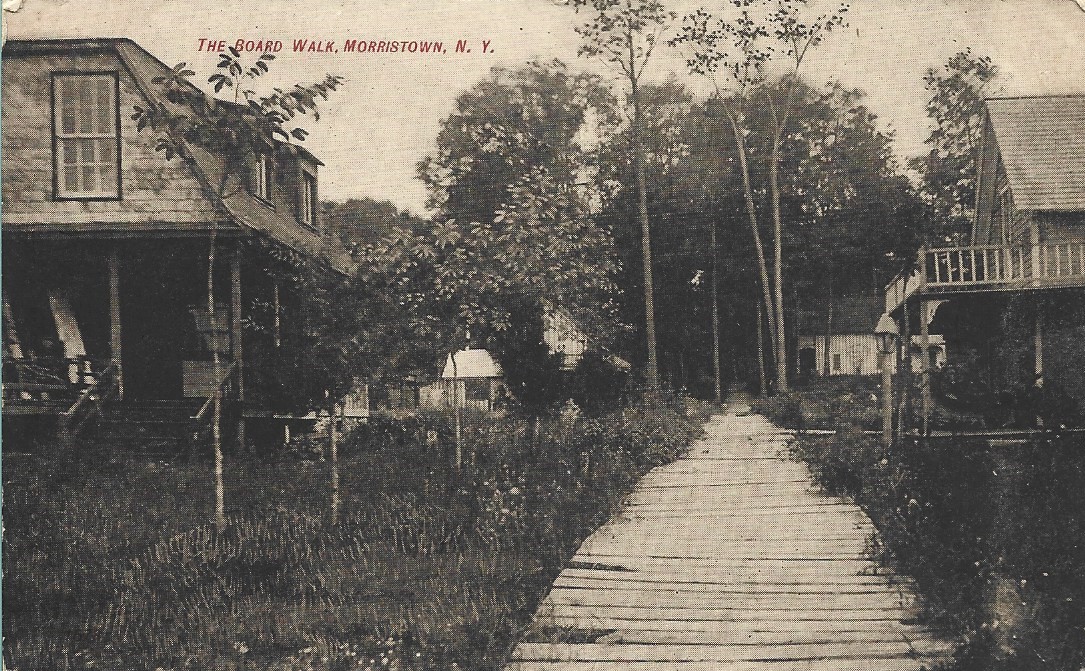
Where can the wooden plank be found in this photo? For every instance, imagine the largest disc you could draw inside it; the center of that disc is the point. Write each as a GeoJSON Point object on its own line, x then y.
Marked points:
{"type": "Point", "coordinates": [595, 652]}
{"type": "Point", "coordinates": [693, 613]}
{"type": "Point", "coordinates": [640, 578]}
{"type": "Point", "coordinates": [712, 628]}
{"type": "Point", "coordinates": [636, 598]}
{"type": "Point", "coordinates": [867, 663]}
{"type": "Point", "coordinates": [896, 663]}
{"type": "Point", "coordinates": [729, 557]}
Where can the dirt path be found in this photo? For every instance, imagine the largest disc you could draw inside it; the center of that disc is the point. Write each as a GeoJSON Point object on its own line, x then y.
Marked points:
{"type": "Point", "coordinates": [729, 559]}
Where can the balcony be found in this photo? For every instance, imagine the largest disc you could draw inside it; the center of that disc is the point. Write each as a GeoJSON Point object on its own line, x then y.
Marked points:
{"type": "Point", "coordinates": [955, 270]}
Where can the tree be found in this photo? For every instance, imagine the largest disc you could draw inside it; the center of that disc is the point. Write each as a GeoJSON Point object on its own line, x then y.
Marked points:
{"type": "Point", "coordinates": [625, 33]}
{"type": "Point", "coordinates": [738, 48]}
{"type": "Point", "coordinates": [509, 124]}
{"type": "Point", "coordinates": [516, 137]}
{"type": "Point", "coordinates": [236, 132]}
{"type": "Point", "coordinates": [958, 110]}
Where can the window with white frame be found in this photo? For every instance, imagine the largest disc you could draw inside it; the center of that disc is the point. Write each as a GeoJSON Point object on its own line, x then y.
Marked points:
{"type": "Point", "coordinates": [308, 205]}
{"type": "Point", "coordinates": [264, 178]}
{"type": "Point", "coordinates": [86, 137]}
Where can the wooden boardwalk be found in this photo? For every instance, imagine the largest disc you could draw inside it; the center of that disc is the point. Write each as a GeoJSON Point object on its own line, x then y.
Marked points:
{"type": "Point", "coordinates": [729, 559]}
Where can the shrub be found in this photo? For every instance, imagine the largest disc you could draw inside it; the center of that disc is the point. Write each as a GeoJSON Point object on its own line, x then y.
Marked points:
{"type": "Point", "coordinates": [936, 506]}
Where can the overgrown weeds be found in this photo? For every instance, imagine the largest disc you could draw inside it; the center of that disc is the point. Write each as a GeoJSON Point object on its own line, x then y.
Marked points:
{"type": "Point", "coordinates": [966, 518]}
{"type": "Point", "coordinates": [119, 566]}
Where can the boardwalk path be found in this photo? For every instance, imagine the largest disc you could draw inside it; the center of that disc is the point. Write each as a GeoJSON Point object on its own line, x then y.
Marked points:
{"type": "Point", "coordinates": [728, 559]}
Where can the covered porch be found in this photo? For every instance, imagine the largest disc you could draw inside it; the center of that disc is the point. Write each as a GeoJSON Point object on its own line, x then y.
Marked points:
{"type": "Point", "coordinates": [100, 321]}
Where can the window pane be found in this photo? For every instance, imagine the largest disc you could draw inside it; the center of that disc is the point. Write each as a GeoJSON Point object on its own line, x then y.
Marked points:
{"type": "Point", "coordinates": [89, 181]}
{"type": "Point", "coordinates": [86, 151]}
{"type": "Point", "coordinates": [70, 153]}
{"type": "Point", "coordinates": [105, 151]}
{"type": "Point", "coordinates": [107, 175]}
{"type": "Point", "coordinates": [67, 120]}
{"type": "Point", "coordinates": [71, 178]}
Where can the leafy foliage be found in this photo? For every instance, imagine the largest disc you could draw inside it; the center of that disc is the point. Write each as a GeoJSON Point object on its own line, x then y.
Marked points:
{"type": "Point", "coordinates": [234, 131]}
{"type": "Point", "coordinates": [958, 111]}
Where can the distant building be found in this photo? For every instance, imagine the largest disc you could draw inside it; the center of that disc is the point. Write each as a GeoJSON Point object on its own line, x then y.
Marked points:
{"type": "Point", "coordinates": [852, 347]}
{"type": "Point", "coordinates": [472, 378]}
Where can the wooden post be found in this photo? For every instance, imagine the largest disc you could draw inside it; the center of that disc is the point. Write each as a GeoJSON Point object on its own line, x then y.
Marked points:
{"type": "Point", "coordinates": [925, 364]}
{"type": "Point", "coordinates": [924, 342]}
{"type": "Point", "coordinates": [887, 399]}
{"type": "Point", "coordinates": [115, 317]}
{"type": "Point", "coordinates": [905, 419]}
{"type": "Point", "coordinates": [235, 341]}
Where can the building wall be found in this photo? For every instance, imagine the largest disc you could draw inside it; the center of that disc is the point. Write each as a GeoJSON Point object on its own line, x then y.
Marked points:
{"type": "Point", "coordinates": [849, 354]}
{"type": "Point", "coordinates": [153, 189]}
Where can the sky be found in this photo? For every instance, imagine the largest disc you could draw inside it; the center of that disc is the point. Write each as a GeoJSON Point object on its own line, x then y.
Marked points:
{"type": "Point", "coordinates": [373, 132]}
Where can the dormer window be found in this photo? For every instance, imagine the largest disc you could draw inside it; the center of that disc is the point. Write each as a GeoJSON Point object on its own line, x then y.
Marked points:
{"type": "Point", "coordinates": [263, 179]}
{"type": "Point", "coordinates": [308, 205]}
{"type": "Point", "coordinates": [86, 136]}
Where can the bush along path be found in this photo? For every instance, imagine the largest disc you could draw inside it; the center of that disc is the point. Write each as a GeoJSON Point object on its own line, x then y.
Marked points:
{"type": "Point", "coordinates": [727, 558]}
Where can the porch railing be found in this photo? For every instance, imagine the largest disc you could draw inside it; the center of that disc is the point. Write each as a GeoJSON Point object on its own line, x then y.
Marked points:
{"type": "Point", "coordinates": [89, 404]}
{"type": "Point", "coordinates": [981, 267]}
{"type": "Point", "coordinates": [202, 421]}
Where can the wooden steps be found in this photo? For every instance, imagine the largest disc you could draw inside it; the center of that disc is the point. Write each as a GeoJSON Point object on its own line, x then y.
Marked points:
{"type": "Point", "coordinates": [729, 559]}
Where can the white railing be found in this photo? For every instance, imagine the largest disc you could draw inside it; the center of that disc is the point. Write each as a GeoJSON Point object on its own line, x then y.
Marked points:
{"type": "Point", "coordinates": [989, 266]}
{"type": "Point", "coordinates": [977, 265]}
{"type": "Point", "coordinates": [1061, 260]}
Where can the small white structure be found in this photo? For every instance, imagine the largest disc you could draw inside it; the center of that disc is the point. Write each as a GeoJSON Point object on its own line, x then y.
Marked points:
{"type": "Point", "coordinates": [563, 337]}
{"type": "Point", "coordinates": [472, 378]}
{"type": "Point", "coordinates": [853, 347]}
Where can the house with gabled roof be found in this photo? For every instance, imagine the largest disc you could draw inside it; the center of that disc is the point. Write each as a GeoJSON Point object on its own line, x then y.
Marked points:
{"type": "Point", "coordinates": [1015, 296]}
{"type": "Point", "coordinates": [106, 246]}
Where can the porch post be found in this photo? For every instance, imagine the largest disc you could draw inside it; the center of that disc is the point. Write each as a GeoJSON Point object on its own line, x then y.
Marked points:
{"type": "Point", "coordinates": [115, 317]}
{"type": "Point", "coordinates": [235, 341]}
{"type": "Point", "coordinates": [925, 342]}
{"type": "Point", "coordinates": [925, 364]}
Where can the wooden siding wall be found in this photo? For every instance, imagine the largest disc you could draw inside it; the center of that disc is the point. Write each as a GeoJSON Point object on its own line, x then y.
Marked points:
{"type": "Point", "coordinates": [858, 353]}
{"type": "Point", "coordinates": [1062, 226]}
{"type": "Point", "coordinates": [153, 189]}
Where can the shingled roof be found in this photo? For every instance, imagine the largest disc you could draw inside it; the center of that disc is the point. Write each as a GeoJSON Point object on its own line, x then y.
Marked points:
{"type": "Point", "coordinates": [852, 315]}
{"type": "Point", "coordinates": [238, 209]}
{"type": "Point", "coordinates": [1042, 141]}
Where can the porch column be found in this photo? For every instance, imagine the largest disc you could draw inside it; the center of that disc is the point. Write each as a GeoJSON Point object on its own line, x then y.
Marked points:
{"type": "Point", "coordinates": [115, 317]}
{"type": "Point", "coordinates": [925, 363]}
{"type": "Point", "coordinates": [235, 341]}
{"type": "Point", "coordinates": [925, 342]}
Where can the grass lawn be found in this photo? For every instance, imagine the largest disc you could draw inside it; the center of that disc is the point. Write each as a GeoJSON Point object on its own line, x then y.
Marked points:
{"type": "Point", "coordinates": [111, 560]}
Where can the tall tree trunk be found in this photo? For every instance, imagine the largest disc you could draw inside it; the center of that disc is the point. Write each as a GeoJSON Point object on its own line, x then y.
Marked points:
{"type": "Point", "coordinates": [761, 351]}
{"type": "Point", "coordinates": [458, 461]}
{"type": "Point", "coordinates": [716, 317]}
{"type": "Point", "coordinates": [751, 213]}
{"type": "Point", "coordinates": [778, 261]}
{"type": "Point", "coordinates": [333, 457]}
{"type": "Point", "coordinates": [825, 370]}
{"type": "Point", "coordinates": [652, 372]}
{"type": "Point", "coordinates": [216, 367]}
